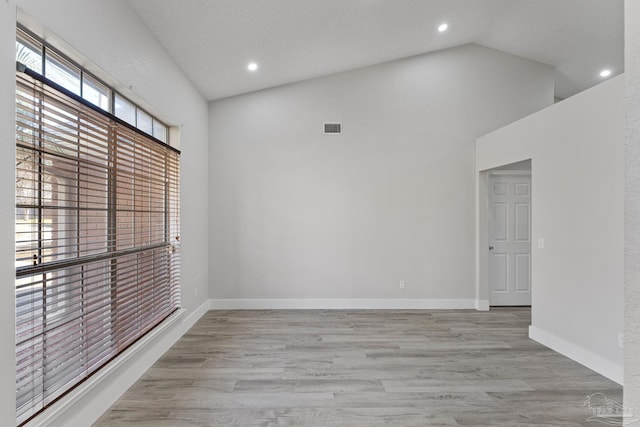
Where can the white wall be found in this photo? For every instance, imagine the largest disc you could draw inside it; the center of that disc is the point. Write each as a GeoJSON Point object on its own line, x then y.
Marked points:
{"type": "Point", "coordinates": [296, 214]}
{"type": "Point", "coordinates": [576, 147]}
{"type": "Point", "coordinates": [632, 209]}
{"type": "Point", "coordinates": [109, 34]}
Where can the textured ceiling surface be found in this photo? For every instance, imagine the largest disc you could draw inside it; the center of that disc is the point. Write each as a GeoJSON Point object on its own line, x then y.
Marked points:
{"type": "Point", "coordinates": [293, 40]}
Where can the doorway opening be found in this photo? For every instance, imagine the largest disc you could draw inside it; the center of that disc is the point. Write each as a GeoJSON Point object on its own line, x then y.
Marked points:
{"type": "Point", "coordinates": [504, 236]}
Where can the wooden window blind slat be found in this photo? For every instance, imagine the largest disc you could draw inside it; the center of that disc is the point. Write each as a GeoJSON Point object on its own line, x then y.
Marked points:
{"type": "Point", "coordinates": [97, 240]}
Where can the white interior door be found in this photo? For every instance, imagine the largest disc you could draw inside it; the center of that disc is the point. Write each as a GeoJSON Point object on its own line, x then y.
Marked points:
{"type": "Point", "coordinates": [510, 239]}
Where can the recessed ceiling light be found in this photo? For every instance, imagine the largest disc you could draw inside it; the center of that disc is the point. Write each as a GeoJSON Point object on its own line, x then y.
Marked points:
{"type": "Point", "coordinates": [443, 27]}
{"type": "Point", "coordinates": [252, 66]}
{"type": "Point", "coordinates": [605, 73]}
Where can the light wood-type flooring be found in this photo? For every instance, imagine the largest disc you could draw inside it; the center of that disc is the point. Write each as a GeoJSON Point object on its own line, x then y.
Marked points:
{"type": "Point", "coordinates": [361, 368]}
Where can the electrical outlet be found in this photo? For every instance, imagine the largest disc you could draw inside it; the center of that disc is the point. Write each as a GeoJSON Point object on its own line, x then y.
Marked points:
{"type": "Point", "coordinates": [620, 340]}
{"type": "Point", "coordinates": [541, 243]}
{"type": "Point", "coordinates": [402, 284]}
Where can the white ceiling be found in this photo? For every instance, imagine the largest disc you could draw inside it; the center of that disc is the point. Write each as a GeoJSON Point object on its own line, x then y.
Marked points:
{"type": "Point", "coordinates": [293, 40]}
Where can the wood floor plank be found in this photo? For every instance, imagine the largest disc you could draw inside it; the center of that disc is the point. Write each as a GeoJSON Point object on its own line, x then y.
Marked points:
{"type": "Point", "coordinates": [360, 368]}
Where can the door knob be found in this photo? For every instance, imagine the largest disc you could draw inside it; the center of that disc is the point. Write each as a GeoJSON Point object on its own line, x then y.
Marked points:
{"type": "Point", "coordinates": [490, 248]}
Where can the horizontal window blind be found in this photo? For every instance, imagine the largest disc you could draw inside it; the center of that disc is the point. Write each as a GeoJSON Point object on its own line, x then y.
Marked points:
{"type": "Point", "coordinates": [97, 239]}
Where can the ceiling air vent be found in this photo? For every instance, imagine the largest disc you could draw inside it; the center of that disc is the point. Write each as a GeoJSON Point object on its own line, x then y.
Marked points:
{"type": "Point", "coordinates": [332, 128]}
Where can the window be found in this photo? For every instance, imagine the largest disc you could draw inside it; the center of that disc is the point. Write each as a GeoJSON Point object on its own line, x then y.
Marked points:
{"type": "Point", "coordinates": [97, 231]}
{"type": "Point", "coordinates": [63, 72]}
{"type": "Point", "coordinates": [42, 59]}
{"type": "Point", "coordinates": [29, 52]}
{"type": "Point", "coordinates": [144, 122]}
{"type": "Point", "coordinates": [96, 93]}
{"type": "Point", "coordinates": [125, 110]}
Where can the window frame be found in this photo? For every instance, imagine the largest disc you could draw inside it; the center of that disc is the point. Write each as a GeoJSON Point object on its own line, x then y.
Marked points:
{"type": "Point", "coordinates": [24, 35]}
{"type": "Point", "coordinates": [142, 254]}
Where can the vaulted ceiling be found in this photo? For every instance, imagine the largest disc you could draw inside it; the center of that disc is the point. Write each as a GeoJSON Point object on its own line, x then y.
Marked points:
{"type": "Point", "coordinates": [293, 40]}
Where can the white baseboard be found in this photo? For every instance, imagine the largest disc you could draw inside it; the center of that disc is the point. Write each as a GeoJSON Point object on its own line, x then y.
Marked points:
{"type": "Point", "coordinates": [86, 403]}
{"type": "Point", "coordinates": [482, 305]}
{"type": "Point", "coordinates": [581, 355]}
{"type": "Point", "coordinates": [341, 304]}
